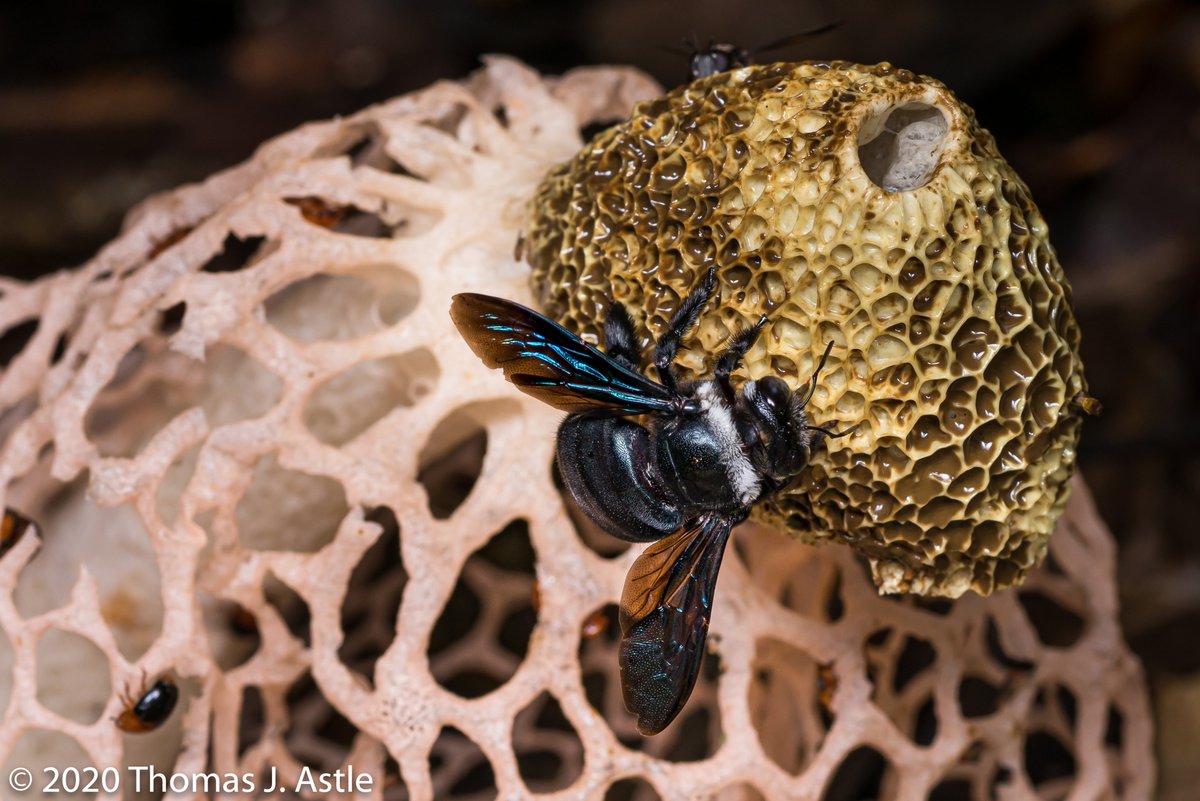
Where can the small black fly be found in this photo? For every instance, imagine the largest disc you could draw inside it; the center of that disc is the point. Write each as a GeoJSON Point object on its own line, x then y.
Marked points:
{"type": "Point", "coordinates": [718, 57]}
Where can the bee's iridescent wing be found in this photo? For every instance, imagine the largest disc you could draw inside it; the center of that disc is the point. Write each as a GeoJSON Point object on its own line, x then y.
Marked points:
{"type": "Point", "coordinates": [547, 361]}
{"type": "Point", "coordinates": [665, 610]}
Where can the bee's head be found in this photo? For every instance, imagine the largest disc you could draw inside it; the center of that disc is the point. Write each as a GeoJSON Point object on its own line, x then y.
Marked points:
{"type": "Point", "coordinates": [773, 425]}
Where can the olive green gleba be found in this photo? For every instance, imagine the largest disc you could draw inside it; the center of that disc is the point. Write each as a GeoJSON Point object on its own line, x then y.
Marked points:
{"type": "Point", "coordinates": [863, 206]}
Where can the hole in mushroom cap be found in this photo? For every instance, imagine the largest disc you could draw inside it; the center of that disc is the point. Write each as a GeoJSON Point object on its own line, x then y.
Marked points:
{"type": "Point", "coordinates": [174, 483]}
{"type": "Point", "coordinates": [491, 602]}
{"type": "Point", "coordinates": [343, 306]}
{"type": "Point", "coordinates": [62, 687]}
{"type": "Point", "coordinates": [862, 774]}
{"type": "Point", "coordinates": [236, 254]}
{"type": "Point", "coordinates": [373, 596]}
{"type": "Point", "coordinates": [952, 790]}
{"type": "Point", "coordinates": [75, 535]}
{"type": "Point", "coordinates": [899, 146]}
{"type": "Point", "coordinates": [318, 735]}
{"type": "Point", "coordinates": [978, 697]}
{"type": "Point", "coordinates": [449, 475]}
{"type": "Point", "coordinates": [37, 746]}
{"type": "Point", "coordinates": [916, 655]}
{"type": "Point", "coordinates": [393, 786]}
{"type": "Point", "coordinates": [923, 725]}
{"type": "Point", "coordinates": [232, 630]}
{"type": "Point", "coordinates": [548, 750]}
{"type": "Point", "coordinates": [368, 148]}
{"type": "Point", "coordinates": [1056, 625]}
{"type": "Point", "coordinates": [292, 609]}
{"type": "Point", "coordinates": [284, 508]}
{"type": "Point", "coordinates": [696, 734]}
{"type": "Point", "coordinates": [743, 791]}
{"type": "Point", "coordinates": [1048, 758]}
{"type": "Point", "coordinates": [14, 340]}
{"type": "Point", "coordinates": [459, 767]}
{"type": "Point", "coordinates": [344, 406]}
{"type": "Point", "coordinates": [790, 722]}
{"type": "Point", "coordinates": [152, 386]}
{"type": "Point", "coordinates": [631, 789]}
{"type": "Point", "coordinates": [251, 720]}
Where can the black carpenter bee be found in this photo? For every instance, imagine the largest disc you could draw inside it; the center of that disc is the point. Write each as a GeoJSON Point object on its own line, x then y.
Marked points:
{"type": "Point", "coordinates": [703, 455]}
{"type": "Point", "coordinates": [718, 57]}
{"type": "Point", "coordinates": [150, 710]}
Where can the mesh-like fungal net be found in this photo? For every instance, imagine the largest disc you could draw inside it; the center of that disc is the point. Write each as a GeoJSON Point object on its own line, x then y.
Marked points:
{"type": "Point", "coordinates": [263, 463]}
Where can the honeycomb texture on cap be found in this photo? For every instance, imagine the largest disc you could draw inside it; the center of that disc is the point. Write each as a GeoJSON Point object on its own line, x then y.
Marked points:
{"type": "Point", "coordinates": [864, 206]}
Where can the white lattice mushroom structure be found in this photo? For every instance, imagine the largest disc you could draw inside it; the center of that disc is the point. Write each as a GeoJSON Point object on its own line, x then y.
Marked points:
{"type": "Point", "coordinates": [263, 463]}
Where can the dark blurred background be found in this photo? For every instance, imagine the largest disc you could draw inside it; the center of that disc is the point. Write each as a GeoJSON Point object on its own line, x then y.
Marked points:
{"type": "Point", "coordinates": [1095, 103]}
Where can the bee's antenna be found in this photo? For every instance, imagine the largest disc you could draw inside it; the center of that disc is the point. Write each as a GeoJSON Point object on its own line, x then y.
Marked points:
{"type": "Point", "coordinates": [795, 37]}
{"type": "Point", "coordinates": [812, 386]}
{"type": "Point", "coordinates": [831, 434]}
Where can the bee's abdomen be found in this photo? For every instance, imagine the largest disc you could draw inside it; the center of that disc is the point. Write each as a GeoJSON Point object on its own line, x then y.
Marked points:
{"type": "Point", "coordinates": [609, 468]}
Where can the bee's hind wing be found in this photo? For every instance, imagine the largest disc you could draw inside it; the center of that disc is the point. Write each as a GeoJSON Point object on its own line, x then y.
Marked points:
{"type": "Point", "coordinates": [664, 613]}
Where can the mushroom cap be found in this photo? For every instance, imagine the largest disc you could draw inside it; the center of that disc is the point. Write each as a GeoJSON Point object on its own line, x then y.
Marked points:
{"type": "Point", "coordinates": [865, 206]}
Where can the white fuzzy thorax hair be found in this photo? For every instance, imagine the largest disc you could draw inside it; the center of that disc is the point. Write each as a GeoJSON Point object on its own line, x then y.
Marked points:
{"type": "Point", "coordinates": [742, 475]}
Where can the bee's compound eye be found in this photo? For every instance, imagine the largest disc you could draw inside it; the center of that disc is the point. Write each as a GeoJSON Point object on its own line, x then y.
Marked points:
{"type": "Point", "coordinates": [774, 391]}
